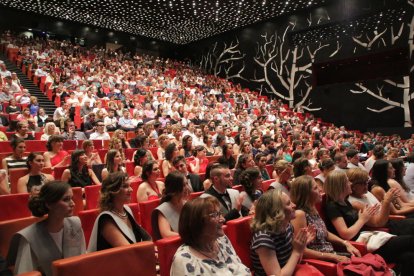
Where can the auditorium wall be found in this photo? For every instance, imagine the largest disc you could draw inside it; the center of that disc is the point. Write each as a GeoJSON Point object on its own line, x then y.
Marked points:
{"type": "Point", "coordinates": [349, 62]}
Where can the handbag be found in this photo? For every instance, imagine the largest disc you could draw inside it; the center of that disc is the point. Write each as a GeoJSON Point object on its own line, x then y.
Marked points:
{"type": "Point", "coordinates": [367, 265]}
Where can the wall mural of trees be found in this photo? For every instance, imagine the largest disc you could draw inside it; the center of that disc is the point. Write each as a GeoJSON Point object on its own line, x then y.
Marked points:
{"type": "Point", "coordinates": [268, 62]}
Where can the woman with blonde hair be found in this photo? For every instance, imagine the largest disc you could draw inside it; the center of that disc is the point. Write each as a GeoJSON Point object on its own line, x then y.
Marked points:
{"type": "Point", "coordinates": [163, 141]}
{"type": "Point", "coordinates": [275, 250]}
{"type": "Point", "coordinates": [116, 143]}
{"type": "Point", "coordinates": [49, 130]}
{"type": "Point", "coordinates": [120, 134]}
{"type": "Point", "coordinates": [306, 195]}
{"type": "Point", "coordinates": [282, 173]}
{"type": "Point", "coordinates": [347, 223]}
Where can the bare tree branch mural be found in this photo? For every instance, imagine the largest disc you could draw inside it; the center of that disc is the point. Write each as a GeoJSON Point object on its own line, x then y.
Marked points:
{"type": "Point", "coordinates": [369, 41]}
{"type": "Point", "coordinates": [223, 61]}
{"type": "Point", "coordinates": [283, 70]}
{"type": "Point", "coordinates": [390, 104]}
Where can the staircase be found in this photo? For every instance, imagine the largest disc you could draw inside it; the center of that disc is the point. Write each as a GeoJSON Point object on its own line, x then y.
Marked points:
{"type": "Point", "coordinates": [28, 84]}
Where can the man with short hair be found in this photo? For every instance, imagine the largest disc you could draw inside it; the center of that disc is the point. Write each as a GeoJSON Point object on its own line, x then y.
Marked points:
{"type": "Point", "coordinates": [71, 133]}
{"type": "Point", "coordinates": [194, 180]}
{"type": "Point", "coordinates": [100, 132]}
{"type": "Point", "coordinates": [230, 199]}
{"type": "Point", "coordinates": [353, 158]}
{"type": "Point", "coordinates": [341, 162]}
{"type": "Point", "coordinates": [256, 143]}
{"type": "Point", "coordinates": [198, 137]}
{"type": "Point", "coordinates": [111, 121]}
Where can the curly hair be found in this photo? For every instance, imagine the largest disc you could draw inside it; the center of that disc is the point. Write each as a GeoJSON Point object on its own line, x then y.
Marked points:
{"type": "Point", "coordinates": [270, 215]}
{"type": "Point", "coordinates": [53, 139]}
{"type": "Point", "coordinates": [114, 141]}
{"type": "Point", "coordinates": [50, 193]}
{"type": "Point", "coordinates": [110, 187]}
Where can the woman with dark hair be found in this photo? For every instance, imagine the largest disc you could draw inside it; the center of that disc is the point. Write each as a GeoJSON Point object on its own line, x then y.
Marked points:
{"type": "Point", "coordinates": [200, 162]}
{"type": "Point", "coordinates": [251, 181]}
{"type": "Point", "coordinates": [167, 166]}
{"type": "Point", "coordinates": [398, 181]}
{"type": "Point", "coordinates": [244, 162]}
{"type": "Point", "coordinates": [13, 108]}
{"type": "Point", "coordinates": [22, 131]}
{"type": "Point", "coordinates": [56, 156]}
{"type": "Point", "coordinates": [326, 166]}
{"type": "Point", "coordinates": [16, 159]}
{"type": "Point", "coordinates": [208, 142]}
{"type": "Point", "coordinates": [206, 250]}
{"type": "Point", "coordinates": [115, 226]}
{"type": "Point", "coordinates": [142, 142]}
{"type": "Point", "coordinates": [261, 160]}
{"type": "Point", "coordinates": [187, 148]}
{"type": "Point", "coordinates": [78, 174]}
{"type": "Point", "coordinates": [116, 144]}
{"type": "Point", "coordinates": [58, 236]}
{"type": "Point", "coordinates": [306, 195]}
{"type": "Point", "coordinates": [227, 156]}
{"type": "Point", "coordinates": [93, 156]}
{"type": "Point", "coordinates": [302, 167]}
{"type": "Point", "coordinates": [220, 143]}
{"type": "Point", "coordinates": [165, 217]}
{"type": "Point", "coordinates": [35, 179]}
{"type": "Point", "coordinates": [113, 163]}
{"type": "Point", "coordinates": [150, 188]}
{"type": "Point", "coordinates": [347, 222]}
{"type": "Point", "coordinates": [382, 175]}
{"type": "Point", "coordinates": [140, 159]}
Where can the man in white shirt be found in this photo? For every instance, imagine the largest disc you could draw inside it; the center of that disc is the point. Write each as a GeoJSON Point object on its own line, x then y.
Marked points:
{"type": "Point", "coordinates": [353, 158]}
{"type": "Point", "coordinates": [100, 133]}
{"type": "Point", "coordinates": [111, 121]}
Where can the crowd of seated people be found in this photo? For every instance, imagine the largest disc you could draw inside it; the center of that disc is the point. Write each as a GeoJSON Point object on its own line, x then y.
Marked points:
{"type": "Point", "coordinates": [176, 124]}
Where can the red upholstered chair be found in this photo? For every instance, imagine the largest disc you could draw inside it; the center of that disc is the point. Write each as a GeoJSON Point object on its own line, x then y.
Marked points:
{"type": "Point", "coordinates": [130, 167]}
{"type": "Point", "coordinates": [195, 195]}
{"type": "Point", "coordinates": [92, 196]}
{"type": "Point", "coordinates": [146, 209]}
{"type": "Point", "coordinates": [31, 273]}
{"type": "Point", "coordinates": [14, 206]}
{"type": "Point", "coordinates": [102, 154]}
{"type": "Point", "coordinates": [129, 153]}
{"type": "Point", "coordinates": [70, 144]}
{"type": "Point", "coordinates": [88, 218]}
{"type": "Point", "coordinates": [269, 169]}
{"type": "Point", "coordinates": [166, 250]}
{"type": "Point", "coordinates": [5, 146]}
{"type": "Point", "coordinates": [239, 233]}
{"type": "Point", "coordinates": [135, 182]}
{"type": "Point", "coordinates": [58, 171]}
{"type": "Point", "coordinates": [154, 152]}
{"type": "Point", "coordinates": [9, 227]}
{"type": "Point", "coordinates": [35, 145]}
{"type": "Point", "coordinates": [238, 188]}
{"type": "Point", "coordinates": [266, 184]}
{"type": "Point", "coordinates": [78, 199]}
{"type": "Point", "coordinates": [138, 258]}
{"type": "Point", "coordinates": [99, 144]}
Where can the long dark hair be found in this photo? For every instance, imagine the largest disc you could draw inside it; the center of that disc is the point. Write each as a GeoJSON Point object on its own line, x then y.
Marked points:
{"type": "Point", "coordinates": [398, 165]}
{"type": "Point", "coordinates": [380, 174]}
{"type": "Point", "coordinates": [75, 162]}
{"type": "Point", "coordinates": [174, 184]}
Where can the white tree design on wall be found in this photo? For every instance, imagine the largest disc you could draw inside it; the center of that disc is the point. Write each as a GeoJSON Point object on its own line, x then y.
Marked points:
{"type": "Point", "coordinates": [404, 86]}
{"type": "Point", "coordinates": [290, 66]}
{"type": "Point", "coordinates": [217, 60]}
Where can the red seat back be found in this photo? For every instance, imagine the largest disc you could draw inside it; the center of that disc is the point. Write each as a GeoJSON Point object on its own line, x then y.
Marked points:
{"type": "Point", "coordinates": [92, 196]}
{"type": "Point", "coordinates": [78, 199]}
{"type": "Point", "coordinates": [35, 145]}
{"type": "Point", "coordinates": [88, 218]}
{"type": "Point", "coordinates": [240, 235]}
{"type": "Point", "coordinates": [269, 169]}
{"type": "Point", "coordinates": [195, 195]}
{"type": "Point", "coordinates": [14, 206]}
{"type": "Point", "coordinates": [266, 184]}
{"type": "Point", "coordinates": [58, 171]}
{"type": "Point", "coordinates": [146, 209]}
{"type": "Point", "coordinates": [166, 250]}
{"type": "Point", "coordinates": [129, 153]}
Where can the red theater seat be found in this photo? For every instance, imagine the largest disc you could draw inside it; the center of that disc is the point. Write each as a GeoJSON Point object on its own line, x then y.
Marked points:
{"type": "Point", "coordinates": [166, 250]}
{"type": "Point", "coordinates": [92, 196]}
{"type": "Point", "coordinates": [146, 209]}
{"type": "Point", "coordinates": [14, 206]}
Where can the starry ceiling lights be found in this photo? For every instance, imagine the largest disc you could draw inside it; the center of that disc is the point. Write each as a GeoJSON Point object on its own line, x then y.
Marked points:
{"type": "Point", "coordinates": [355, 27]}
{"type": "Point", "coordinates": [177, 21]}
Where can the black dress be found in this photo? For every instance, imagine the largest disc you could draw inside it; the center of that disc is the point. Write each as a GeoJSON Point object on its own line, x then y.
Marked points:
{"type": "Point", "coordinates": [139, 232]}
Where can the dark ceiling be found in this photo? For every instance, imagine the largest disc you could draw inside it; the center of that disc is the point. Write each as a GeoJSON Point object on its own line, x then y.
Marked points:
{"type": "Point", "coordinates": [176, 21]}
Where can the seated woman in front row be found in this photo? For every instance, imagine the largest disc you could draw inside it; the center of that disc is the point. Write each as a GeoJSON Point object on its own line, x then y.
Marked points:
{"type": "Point", "coordinates": [206, 250]}
{"type": "Point", "coordinates": [58, 236]}
{"type": "Point", "coordinates": [305, 193]}
{"type": "Point", "coordinates": [275, 250]}
{"type": "Point", "coordinates": [151, 188]}
{"type": "Point", "coordinates": [34, 180]}
{"type": "Point", "coordinates": [78, 174]}
{"type": "Point", "coordinates": [115, 225]}
{"type": "Point", "coordinates": [165, 217]}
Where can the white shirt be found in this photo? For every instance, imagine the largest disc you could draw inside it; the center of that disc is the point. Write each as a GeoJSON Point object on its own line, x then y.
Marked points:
{"type": "Point", "coordinates": [100, 136]}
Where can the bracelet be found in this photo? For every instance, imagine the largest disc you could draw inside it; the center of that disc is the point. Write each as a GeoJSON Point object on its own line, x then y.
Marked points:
{"type": "Point", "coordinates": [345, 242]}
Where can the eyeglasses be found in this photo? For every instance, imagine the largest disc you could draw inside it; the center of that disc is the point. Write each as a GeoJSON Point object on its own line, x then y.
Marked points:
{"type": "Point", "coordinates": [215, 215]}
{"type": "Point", "coordinates": [101, 125]}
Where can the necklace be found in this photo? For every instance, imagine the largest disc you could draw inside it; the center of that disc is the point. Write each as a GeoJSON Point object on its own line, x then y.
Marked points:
{"type": "Point", "coordinates": [122, 216]}
{"type": "Point", "coordinates": [211, 254]}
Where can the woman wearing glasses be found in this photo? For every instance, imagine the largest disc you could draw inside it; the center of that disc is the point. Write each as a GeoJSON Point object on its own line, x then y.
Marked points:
{"type": "Point", "coordinates": [206, 250]}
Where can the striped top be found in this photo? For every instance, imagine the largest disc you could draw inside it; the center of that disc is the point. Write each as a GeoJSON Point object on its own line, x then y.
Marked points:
{"type": "Point", "coordinates": [281, 243]}
{"type": "Point", "coordinates": [16, 164]}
